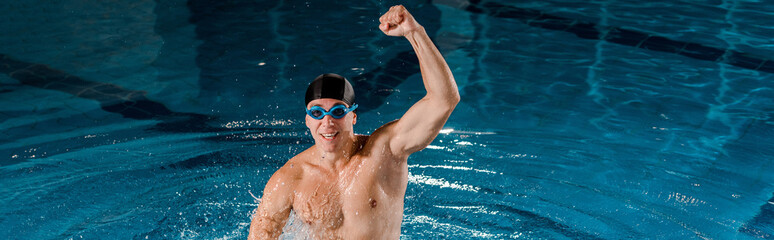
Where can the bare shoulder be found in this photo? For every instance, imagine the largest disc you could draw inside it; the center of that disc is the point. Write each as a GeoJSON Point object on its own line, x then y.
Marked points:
{"type": "Point", "coordinates": [277, 200]}
{"type": "Point", "coordinates": [292, 171]}
{"type": "Point", "coordinates": [380, 139]}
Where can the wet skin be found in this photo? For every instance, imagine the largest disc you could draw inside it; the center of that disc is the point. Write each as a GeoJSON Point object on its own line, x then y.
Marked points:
{"type": "Point", "coordinates": [350, 186]}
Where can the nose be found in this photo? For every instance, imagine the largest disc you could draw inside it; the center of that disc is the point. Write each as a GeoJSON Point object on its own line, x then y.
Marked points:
{"type": "Point", "coordinates": [327, 120]}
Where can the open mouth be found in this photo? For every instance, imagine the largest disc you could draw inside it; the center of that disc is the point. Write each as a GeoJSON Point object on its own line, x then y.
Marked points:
{"type": "Point", "coordinates": [329, 136]}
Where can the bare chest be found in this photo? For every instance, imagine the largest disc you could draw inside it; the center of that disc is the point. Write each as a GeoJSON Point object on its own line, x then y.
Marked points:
{"type": "Point", "coordinates": [331, 202]}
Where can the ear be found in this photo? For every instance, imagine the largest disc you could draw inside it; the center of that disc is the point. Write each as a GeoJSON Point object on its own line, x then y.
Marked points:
{"type": "Point", "coordinates": [354, 118]}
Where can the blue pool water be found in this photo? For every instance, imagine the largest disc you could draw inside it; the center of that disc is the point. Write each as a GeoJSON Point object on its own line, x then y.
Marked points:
{"type": "Point", "coordinates": [579, 120]}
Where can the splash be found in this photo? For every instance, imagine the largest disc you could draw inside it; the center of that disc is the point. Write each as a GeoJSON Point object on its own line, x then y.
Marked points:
{"type": "Point", "coordinates": [295, 229]}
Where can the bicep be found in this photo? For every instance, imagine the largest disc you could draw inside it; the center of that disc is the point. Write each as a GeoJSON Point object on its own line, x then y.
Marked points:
{"type": "Point", "coordinates": [420, 125]}
{"type": "Point", "coordinates": [274, 209]}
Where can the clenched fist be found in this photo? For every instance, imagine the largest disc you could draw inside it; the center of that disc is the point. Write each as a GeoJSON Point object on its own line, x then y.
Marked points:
{"type": "Point", "coordinates": [398, 22]}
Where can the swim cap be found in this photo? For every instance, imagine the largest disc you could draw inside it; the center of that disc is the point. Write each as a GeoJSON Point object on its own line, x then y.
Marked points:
{"type": "Point", "coordinates": [330, 85]}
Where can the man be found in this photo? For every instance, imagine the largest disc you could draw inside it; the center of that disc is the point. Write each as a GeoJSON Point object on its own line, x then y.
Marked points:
{"type": "Point", "coordinates": [350, 186]}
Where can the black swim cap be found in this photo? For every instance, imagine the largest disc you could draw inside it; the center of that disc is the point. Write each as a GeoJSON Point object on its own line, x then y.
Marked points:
{"type": "Point", "coordinates": [330, 85]}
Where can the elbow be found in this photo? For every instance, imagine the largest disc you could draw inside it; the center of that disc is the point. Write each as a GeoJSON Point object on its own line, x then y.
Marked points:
{"type": "Point", "coordinates": [455, 98]}
{"type": "Point", "coordinates": [452, 99]}
{"type": "Point", "coordinates": [448, 100]}
{"type": "Point", "coordinates": [452, 96]}
{"type": "Point", "coordinates": [450, 103]}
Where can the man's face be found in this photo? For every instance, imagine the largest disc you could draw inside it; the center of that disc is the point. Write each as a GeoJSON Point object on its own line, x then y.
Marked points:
{"type": "Point", "coordinates": [330, 133]}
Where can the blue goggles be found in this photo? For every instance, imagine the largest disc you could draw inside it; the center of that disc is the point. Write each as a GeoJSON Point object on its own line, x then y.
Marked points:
{"type": "Point", "coordinates": [338, 111]}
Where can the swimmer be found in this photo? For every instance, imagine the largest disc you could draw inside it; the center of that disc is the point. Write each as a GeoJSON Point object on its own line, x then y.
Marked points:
{"type": "Point", "coordinates": [350, 186]}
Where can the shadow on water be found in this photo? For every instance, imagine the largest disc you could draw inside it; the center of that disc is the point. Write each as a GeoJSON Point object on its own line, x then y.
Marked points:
{"type": "Point", "coordinates": [112, 98]}
{"type": "Point", "coordinates": [209, 16]}
{"type": "Point", "coordinates": [133, 104]}
{"type": "Point", "coordinates": [534, 221]}
{"type": "Point", "coordinates": [372, 87]}
{"type": "Point", "coordinates": [622, 36]}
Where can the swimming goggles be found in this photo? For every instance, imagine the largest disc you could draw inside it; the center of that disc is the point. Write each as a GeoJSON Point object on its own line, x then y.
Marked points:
{"type": "Point", "coordinates": [338, 111]}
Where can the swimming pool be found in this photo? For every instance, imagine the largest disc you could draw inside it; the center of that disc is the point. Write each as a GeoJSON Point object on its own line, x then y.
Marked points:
{"type": "Point", "coordinates": [578, 120]}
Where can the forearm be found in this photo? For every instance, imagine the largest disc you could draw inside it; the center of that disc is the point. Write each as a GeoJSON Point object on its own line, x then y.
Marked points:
{"type": "Point", "coordinates": [436, 75]}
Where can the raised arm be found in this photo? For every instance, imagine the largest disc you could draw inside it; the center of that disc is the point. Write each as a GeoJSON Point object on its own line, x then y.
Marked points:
{"type": "Point", "coordinates": [274, 209]}
{"type": "Point", "coordinates": [422, 122]}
